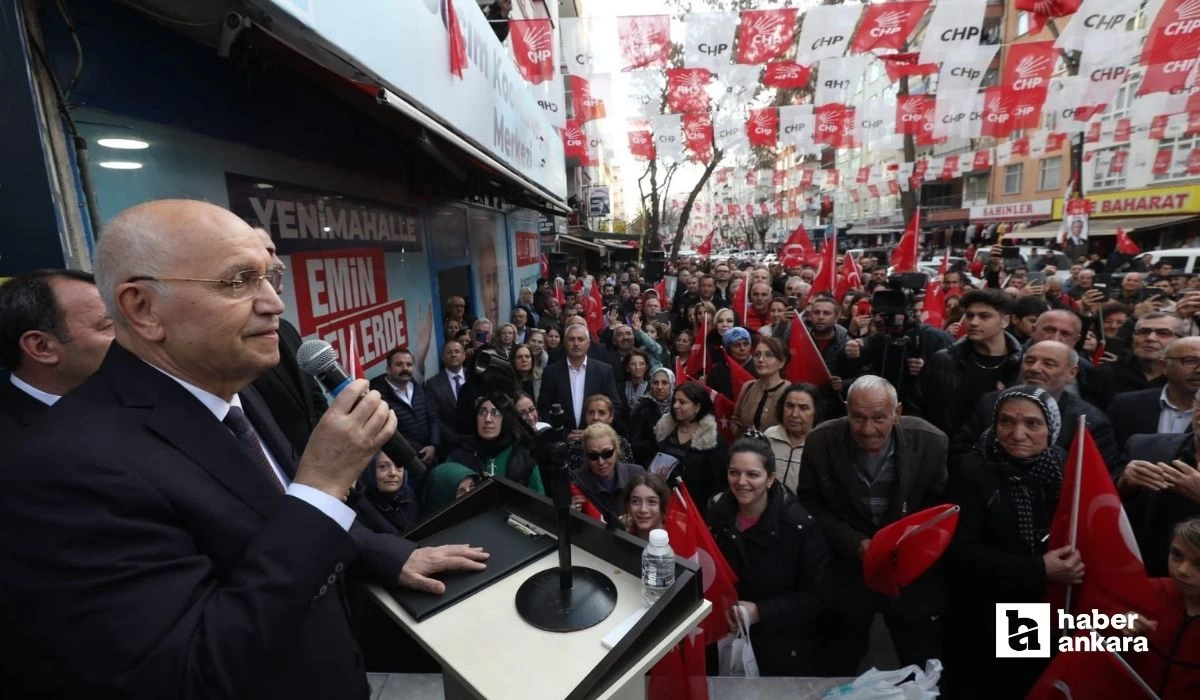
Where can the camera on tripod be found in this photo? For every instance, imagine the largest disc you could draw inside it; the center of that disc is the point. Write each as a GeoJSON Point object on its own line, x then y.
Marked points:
{"type": "Point", "coordinates": [894, 306]}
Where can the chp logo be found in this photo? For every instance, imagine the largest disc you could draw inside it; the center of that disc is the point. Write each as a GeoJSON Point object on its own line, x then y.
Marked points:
{"type": "Point", "coordinates": [642, 42]}
{"type": "Point", "coordinates": [536, 38]}
{"type": "Point", "coordinates": [692, 82]}
{"type": "Point", "coordinates": [888, 24]}
{"type": "Point", "coordinates": [762, 123]}
{"type": "Point", "coordinates": [829, 122]}
{"type": "Point", "coordinates": [766, 31]}
{"type": "Point", "coordinates": [573, 136]}
{"type": "Point", "coordinates": [697, 129]}
{"type": "Point", "coordinates": [1028, 72]}
{"type": "Point", "coordinates": [997, 110]}
{"type": "Point", "coordinates": [912, 110]}
{"type": "Point", "coordinates": [1187, 19]}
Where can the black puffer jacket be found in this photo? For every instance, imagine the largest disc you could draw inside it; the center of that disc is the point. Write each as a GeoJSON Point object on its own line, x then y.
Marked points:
{"type": "Point", "coordinates": [783, 566]}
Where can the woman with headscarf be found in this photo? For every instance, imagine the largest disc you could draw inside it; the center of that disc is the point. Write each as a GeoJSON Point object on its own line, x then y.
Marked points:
{"type": "Point", "coordinates": [384, 499]}
{"type": "Point", "coordinates": [653, 406]}
{"type": "Point", "coordinates": [1007, 488]}
{"type": "Point", "coordinates": [446, 483]}
{"type": "Point", "coordinates": [496, 447]}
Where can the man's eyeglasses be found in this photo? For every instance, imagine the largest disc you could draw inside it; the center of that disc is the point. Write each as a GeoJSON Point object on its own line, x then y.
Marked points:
{"type": "Point", "coordinates": [242, 285]}
{"type": "Point", "coordinates": [597, 456]}
{"type": "Point", "coordinates": [1160, 332]}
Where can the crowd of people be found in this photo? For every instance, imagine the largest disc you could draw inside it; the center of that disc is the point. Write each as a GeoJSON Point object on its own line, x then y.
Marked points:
{"type": "Point", "coordinates": [795, 480]}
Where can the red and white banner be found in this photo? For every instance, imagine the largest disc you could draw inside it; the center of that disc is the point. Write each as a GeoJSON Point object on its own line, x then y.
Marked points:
{"type": "Point", "coordinates": [839, 79]}
{"type": "Point", "coordinates": [668, 137]}
{"type": "Point", "coordinates": [575, 143]}
{"type": "Point", "coordinates": [765, 34]}
{"type": "Point", "coordinates": [687, 89]}
{"type": "Point", "coordinates": [964, 69]}
{"type": "Point", "coordinates": [1028, 66]}
{"type": "Point", "coordinates": [1122, 129]}
{"type": "Point", "coordinates": [887, 26]}
{"type": "Point", "coordinates": [901, 65]}
{"type": "Point", "coordinates": [641, 144]}
{"type": "Point", "coordinates": [644, 40]}
{"type": "Point", "coordinates": [831, 124]}
{"type": "Point", "coordinates": [982, 160]}
{"type": "Point", "coordinates": [708, 39]}
{"type": "Point", "coordinates": [952, 26]}
{"type": "Point", "coordinates": [997, 113]}
{"type": "Point", "coordinates": [1162, 161]}
{"type": "Point", "coordinates": [698, 136]}
{"type": "Point", "coordinates": [335, 283]}
{"type": "Point", "coordinates": [533, 47]}
{"type": "Point", "coordinates": [589, 102]}
{"type": "Point", "coordinates": [826, 32]}
{"type": "Point", "coordinates": [528, 248]}
{"type": "Point", "coordinates": [1117, 166]}
{"type": "Point", "coordinates": [1175, 34]}
{"type": "Point", "coordinates": [1027, 108]}
{"type": "Point", "coordinates": [762, 128]}
{"type": "Point", "coordinates": [729, 134]}
{"type": "Point", "coordinates": [786, 74]}
{"type": "Point", "coordinates": [1097, 23]}
{"type": "Point", "coordinates": [911, 111]}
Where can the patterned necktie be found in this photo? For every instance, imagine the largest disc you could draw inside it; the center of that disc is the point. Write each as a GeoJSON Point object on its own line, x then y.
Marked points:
{"type": "Point", "coordinates": [240, 426]}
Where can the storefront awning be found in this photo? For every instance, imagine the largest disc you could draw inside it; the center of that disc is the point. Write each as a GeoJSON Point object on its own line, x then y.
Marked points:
{"type": "Point", "coordinates": [572, 240]}
{"type": "Point", "coordinates": [1103, 227]}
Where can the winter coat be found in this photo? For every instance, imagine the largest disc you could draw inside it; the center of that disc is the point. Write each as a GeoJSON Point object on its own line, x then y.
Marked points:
{"type": "Point", "coordinates": [702, 462]}
{"type": "Point", "coordinates": [783, 566]}
{"type": "Point", "coordinates": [1172, 667]}
{"type": "Point", "coordinates": [787, 458]}
{"type": "Point", "coordinates": [520, 461]}
{"type": "Point", "coordinates": [642, 421]}
{"type": "Point", "coordinates": [944, 383]}
{"type": "Point", "coordinates": [987, 563]}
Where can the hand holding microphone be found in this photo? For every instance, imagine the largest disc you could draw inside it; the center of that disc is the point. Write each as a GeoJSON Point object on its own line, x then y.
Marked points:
{"type": "Point", "coordinates": [356, 425]}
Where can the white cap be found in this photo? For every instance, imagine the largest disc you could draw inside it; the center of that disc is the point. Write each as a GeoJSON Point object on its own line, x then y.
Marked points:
{"type": "Point", "coordinates": [658, 538]}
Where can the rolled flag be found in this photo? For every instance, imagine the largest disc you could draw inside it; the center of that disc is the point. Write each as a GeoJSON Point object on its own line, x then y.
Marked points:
{"type": "Point", "coordinates": [458, 43]}
{"type": "Point", "coordinates": [899, 553]}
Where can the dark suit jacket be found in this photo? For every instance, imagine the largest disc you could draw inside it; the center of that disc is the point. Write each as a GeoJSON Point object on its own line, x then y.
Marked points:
{"type": "Point", "coordinates": [149, 557]}
{"type": "Point", "coordinates": [18, 414]}
{"type": "Point", "coordinates": [556, 388]}
{"type": "Point", "coordinates": [296, 400]}
{"type": "Point", "coordinates": [1135, 413]}
{"type": "Point", "coordinates": [831, 490]}
{"type": "Point", "coordinates": [417, 422]}
{"type": "Point", "coordinates": [1153, 515]}
{"type": "Point", "coordinates": [439, 391]}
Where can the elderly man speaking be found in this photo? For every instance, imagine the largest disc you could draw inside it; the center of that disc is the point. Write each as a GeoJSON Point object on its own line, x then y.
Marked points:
{"type": "Point", "coordinates": [158, 539]}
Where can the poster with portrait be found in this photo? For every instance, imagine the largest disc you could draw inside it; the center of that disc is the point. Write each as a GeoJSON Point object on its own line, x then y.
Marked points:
{"type": "Point", "coordinates": [1075, 224]}
{"type": "Point", "coordinates": [489, 266]}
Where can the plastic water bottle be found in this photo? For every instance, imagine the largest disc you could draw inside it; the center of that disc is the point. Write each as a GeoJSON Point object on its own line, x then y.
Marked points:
{"type": "Point", "coordinates": [658, 567]}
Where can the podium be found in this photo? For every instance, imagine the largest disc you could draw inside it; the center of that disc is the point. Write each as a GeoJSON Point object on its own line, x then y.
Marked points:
{"type": "Point", "coordinates": [487, 650]}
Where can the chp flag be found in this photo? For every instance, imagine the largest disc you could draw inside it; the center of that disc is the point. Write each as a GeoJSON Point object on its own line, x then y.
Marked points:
{"type": "Point", "coordinates": [708, 39]}
{"type": "Point", "coordinates": [533, 47]}
{"type": "Point", "coordinates": [953, 25]}
{"type": "Point", "coordinates": [887, 26]}
{"type": "Point", "coordinates": [765, 34]}
{"type": "Point", "coordinates": [644, 41]}
{"type": "Point", "coordinates": [826, 32]}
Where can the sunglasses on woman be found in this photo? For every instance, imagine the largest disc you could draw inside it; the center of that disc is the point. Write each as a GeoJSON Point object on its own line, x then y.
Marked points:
{"type": "Point", "coordinates": [597, 456]}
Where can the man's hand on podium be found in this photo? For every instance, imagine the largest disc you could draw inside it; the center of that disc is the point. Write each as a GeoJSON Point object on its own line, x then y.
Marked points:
{"type": "Point", "coordinates": [426, 561]}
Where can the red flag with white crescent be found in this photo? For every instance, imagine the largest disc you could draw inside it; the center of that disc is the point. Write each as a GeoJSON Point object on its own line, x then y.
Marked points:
{"type": "Point", "coordinates": [353, 358]}
{"type": "Point", "coordinates": [906, 253]}
{"type": "Point", "coordinates": [645, 41]}
{"type": "Point", "coordinates": [687, 89]}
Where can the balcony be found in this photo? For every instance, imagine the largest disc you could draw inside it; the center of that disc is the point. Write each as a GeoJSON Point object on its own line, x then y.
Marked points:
{"type": "Point", "coordinates": [949, 201]}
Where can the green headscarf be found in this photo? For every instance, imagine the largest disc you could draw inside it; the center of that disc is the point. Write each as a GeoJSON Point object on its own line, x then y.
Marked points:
{"type": "Point", "coordinates": [441, 484]}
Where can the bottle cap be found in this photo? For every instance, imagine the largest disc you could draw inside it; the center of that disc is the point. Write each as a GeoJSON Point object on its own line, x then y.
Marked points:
{"type": "Point", "coordinates": [658, 538]}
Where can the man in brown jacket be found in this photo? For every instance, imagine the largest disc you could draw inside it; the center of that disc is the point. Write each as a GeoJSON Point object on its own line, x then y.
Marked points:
{"type": "Point", "coordinates": [858, 474]}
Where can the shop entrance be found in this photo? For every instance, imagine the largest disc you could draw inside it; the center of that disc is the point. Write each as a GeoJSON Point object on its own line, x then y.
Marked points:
{"type": "Point", "coordinates": [456, 281]}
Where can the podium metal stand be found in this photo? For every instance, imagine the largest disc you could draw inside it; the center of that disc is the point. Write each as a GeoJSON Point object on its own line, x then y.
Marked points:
{"type": "Point", "coordinates": [487, 651]}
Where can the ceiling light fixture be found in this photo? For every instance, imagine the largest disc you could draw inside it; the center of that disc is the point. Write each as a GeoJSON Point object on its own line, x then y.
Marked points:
{"type": "Point", "coordinates": [124, 144]}
{"type": "Point", "coordinates": [120, 165]}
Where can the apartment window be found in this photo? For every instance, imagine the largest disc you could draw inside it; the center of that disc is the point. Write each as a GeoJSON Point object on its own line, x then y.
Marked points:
{"type": "Point", "coordinates": [1050, 177]}
{"type": "Point", "coordinates": [1104, 178]}
{"type": "Point", "coordinates": [975, 189]}
{"type": "Point", "coordinates": [1012, 178]}
{"type": "Point", "coordinates": [1181, 148]}
{"type": "Point", "coordinates": [1119, 107]}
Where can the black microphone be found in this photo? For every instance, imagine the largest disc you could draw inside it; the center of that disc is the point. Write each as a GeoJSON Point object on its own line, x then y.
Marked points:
{"type": "Point", "coordinates": [316, 357]}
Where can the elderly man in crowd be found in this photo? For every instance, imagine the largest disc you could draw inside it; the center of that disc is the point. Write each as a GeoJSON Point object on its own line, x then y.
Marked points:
{"type": "Point", "coordinates": [858, 474]}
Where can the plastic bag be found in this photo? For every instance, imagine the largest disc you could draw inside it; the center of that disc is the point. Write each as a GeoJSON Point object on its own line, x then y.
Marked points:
{"type": "Point", "coordinates": [890, 685]}
{"type": "Point", "coordinates": [734, 652]}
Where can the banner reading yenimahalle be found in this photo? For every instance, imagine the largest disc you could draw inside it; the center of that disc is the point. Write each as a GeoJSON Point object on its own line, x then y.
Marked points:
{"type": "Point", "coordinates": [302, 219]}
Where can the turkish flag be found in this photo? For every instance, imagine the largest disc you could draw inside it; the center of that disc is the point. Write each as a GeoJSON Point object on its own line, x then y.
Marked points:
{"type": "Point", "coordinates": [532, 45]}
{"type": "Point", "coordinates": [687, 89]}
{"type": "Point", "coordinates": [545, 267]}
{"type": "Point", "coordinates": [558, 294]}
{"type": "Point", "coordinates": [705, 247]}
{"type": "Point", "coordinates": [826, 279]}
{"type": "Point", "coordinates": [685, 525]}
{"type": "Point", "coordinates": [906, 253]}
{"type": "Point", "coordinates": [851, 277]}
{"type": "Point", "coordinates": [644, 40]}
{"type": "Point", "coordinates": [587, 105]}
{"type": "Point", "coordinates": [762, 128]}
{"type": "Point", "coordinates": [681, 674]}
{"type": "Point", "coordinates": [935, 296]}
{"type": "Point", "coordinates": [641, 145]}
{"type": "Point", "coordinates": [698, 136]}
{"type": "Point", "coordinates": [1088, 674]}
{"type": "Point", "coordinates": [765, 34]}
{"type": "Point", "coordinates": [806, 364]}
{"type": "Point", "coordinates": [788, 75]}
{"type": "Point", "coordinates": [589, 508]}
{"type": "Point", "coordinates": [699, 363]}
{"type": "Point", "coordinates": [900, 552]}
{"type": "Point", "coordinates": [887, 26]}
{"type": "Point", "coordinates": [458, 44]}
{"type": "Point", "coordinates": [738, 375]}
{"type": "Point", "coordinates": [1090, 517]}
{"type": "Point", "coordinates": [1125, 244]}
{"type": "Point", "coordinates": [899, 65]}
{"type": "Point", "coordinates": [723, 411]}
{"type": "Point", "coordinates": [1042, 10]}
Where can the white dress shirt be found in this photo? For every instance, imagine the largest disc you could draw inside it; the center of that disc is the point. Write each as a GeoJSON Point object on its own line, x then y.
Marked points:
{"type": "Point", "coordinates": [455, 387]}
{"type": "Point", "coordinates": [1173, 420]}
{"type": "Point", "coordinates": [46, 398]}
{"type": "Point", "coordinates": [577, 377]}
{"type": "Point", "coordinates": [341, 513]}
{"type": "Point", "coordinates": [404, 394]}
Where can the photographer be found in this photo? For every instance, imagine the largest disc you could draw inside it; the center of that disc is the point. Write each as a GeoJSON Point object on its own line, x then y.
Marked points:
{"type": "Point", "coordinates": [898, 346]}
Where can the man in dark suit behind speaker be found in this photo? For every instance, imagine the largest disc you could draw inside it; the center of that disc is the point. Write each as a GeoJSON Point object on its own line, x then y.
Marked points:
{"type": "Point", "coordinates": [158, 539]}
{"type": "Point", "coordinates": [569, 382]}
{"type": "Point", "coordinates": [294, 398]}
